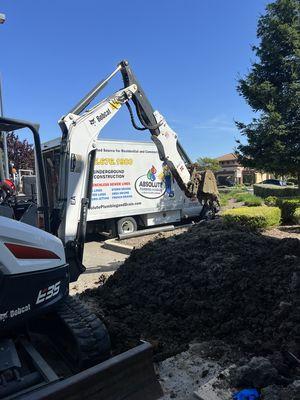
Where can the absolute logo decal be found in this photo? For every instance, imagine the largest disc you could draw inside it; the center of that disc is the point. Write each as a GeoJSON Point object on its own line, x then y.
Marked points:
{"type": "Point", "coordinates": [150, 185]}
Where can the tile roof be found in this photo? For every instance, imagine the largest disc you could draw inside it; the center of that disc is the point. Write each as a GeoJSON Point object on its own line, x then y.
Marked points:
{"type": "Point", "coordinates": [227, 157]}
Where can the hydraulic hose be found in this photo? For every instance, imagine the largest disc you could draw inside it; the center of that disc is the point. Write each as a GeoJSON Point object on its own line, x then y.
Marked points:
{"type": "Point", "coordinates": [139, 128]}
{"type": "Point", "coordinates": [145, 126]}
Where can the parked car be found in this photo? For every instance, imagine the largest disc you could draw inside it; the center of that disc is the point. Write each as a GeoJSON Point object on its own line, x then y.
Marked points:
{"type": "Point", "coordinates": [229, 181]}
{"type": "Point", "coordinates": [276, 182]}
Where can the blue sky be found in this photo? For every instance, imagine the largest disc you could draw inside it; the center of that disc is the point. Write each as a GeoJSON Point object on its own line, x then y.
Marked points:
{"type": "Point", "coordinates": [187, 55]}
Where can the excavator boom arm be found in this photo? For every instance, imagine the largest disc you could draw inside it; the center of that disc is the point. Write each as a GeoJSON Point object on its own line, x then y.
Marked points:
{"type": "Point", "coordinates": [80, 130]}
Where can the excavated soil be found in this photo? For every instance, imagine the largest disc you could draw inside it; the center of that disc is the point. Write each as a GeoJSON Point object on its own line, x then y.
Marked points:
{"type": "Point", "coordinates": [213, 282]}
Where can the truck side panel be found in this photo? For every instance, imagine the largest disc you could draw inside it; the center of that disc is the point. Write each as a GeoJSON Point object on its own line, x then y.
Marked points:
{"type": "Point", "coordinates": [130, 179]}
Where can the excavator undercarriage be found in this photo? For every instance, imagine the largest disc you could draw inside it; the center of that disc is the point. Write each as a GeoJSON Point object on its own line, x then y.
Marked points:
{"type": "Point", "coordinates": [66, 355]}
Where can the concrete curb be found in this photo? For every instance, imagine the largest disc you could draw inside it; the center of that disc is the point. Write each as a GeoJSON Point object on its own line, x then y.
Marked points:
{"type": "Point", "coordinates": [114, 245]}
{"type": "Point", "coordinates": [145, 232]}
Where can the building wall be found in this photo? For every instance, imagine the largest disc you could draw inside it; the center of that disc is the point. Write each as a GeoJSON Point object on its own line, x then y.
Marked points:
{"type": "Point", "coordinates": [232, 172]}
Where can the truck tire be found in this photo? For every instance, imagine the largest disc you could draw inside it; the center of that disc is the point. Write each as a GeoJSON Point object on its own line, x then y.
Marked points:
{"type": "Point", "coordinates": [208, 212]}
{"type": "Point", "coordinates": [126, 225]}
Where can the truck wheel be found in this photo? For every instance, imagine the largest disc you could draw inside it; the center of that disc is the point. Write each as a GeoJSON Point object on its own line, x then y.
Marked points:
{"type": "Point", "coordinates": [126, 225]}
{"type": "Point", "coordinates": [208, 212]}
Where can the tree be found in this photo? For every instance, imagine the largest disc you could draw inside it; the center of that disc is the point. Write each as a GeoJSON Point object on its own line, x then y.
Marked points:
{"type": "Point", "coordinates": [272, 89]}
{"type": "Point", "coordinates": [209, 163]}
{"type": "Point", "coordinates": [21, 153]}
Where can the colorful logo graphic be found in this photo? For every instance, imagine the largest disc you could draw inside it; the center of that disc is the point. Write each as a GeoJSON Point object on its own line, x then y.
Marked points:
{"type": "Point", "coordinates": [153, 185]}
{"type": "Point", "coordinates": [151, 173]}
{"type": "Point", "coordinates": [149, 185]}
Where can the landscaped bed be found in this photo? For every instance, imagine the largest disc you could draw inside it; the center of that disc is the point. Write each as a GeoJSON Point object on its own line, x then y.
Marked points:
{"type": "Point", "coordinates": [289, 206]}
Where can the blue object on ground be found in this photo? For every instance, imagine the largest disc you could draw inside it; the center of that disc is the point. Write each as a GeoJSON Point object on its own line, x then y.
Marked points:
{"type": "Point", "coordinates": [247, 394]}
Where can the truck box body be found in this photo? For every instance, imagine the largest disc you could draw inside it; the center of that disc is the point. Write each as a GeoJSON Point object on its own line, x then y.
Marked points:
{"type": "Point", "coordinates": [129, 179]}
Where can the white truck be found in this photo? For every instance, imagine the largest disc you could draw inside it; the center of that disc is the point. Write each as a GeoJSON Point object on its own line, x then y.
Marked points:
{"type": "Point", "coordinates": [131, 187]}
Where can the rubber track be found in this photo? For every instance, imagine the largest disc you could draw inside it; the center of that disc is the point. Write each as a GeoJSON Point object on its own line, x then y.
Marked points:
{"type": "Point", "coordinates": [93, 343]}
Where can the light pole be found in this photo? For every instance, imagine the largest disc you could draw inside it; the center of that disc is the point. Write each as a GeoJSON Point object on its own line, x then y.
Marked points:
{"type": "Point", "coordinates": [3, 134]}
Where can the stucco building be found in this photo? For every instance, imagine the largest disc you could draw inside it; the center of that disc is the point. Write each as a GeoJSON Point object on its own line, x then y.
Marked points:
{"type": "Point", "coordinates": [232, 172]}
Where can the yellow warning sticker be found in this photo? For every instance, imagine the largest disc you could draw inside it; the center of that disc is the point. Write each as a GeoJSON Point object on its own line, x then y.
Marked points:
{"type": "Point", "coordinates": [115, 104]}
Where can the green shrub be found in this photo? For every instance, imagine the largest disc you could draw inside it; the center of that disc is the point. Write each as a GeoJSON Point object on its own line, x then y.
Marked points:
{"type": "Point", "coordinates": [271, 201]}
{"type": "Point", "coordinates": [249, 199]}
{"type": "Point", "coordinates": [253, 201]}
{"type": "Point", "coordinates": [240, 196]}
{"type": "Point", "coordinates": [253, 217]}
{"type": "Point", "coordinates": [224, 197]}
{"type": "Point", "coordinates": [297, 216]}
{"type": "Point", "coordinates": [288, 208]}
{"type": "Point", "coordinates": [240, 187]}
{"type": "Point", "coordinates": [273, 190]}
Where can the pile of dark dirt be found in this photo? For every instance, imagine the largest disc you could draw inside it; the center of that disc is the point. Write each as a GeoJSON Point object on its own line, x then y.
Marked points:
{"type": "Point", "coordinates": [212, 282]}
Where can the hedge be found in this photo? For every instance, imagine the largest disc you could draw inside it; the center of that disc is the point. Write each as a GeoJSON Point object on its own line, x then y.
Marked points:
{"type": "Point", "coordinates": [288, 208]}
{"type": "Point", "coordinates": [297, 216]}
{"type": "Point", "coordinates": [273, 190]}
{"type": "Point", "coordinates": [253, 217]}
{"type": "Point", "coordinates": [271, 201]}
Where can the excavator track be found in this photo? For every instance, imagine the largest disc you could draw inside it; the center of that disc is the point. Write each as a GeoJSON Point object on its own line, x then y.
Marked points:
{"type": "Point", "coordinates": [87, 340]}
{"type": "Point", "coordinates": [88, 372]}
